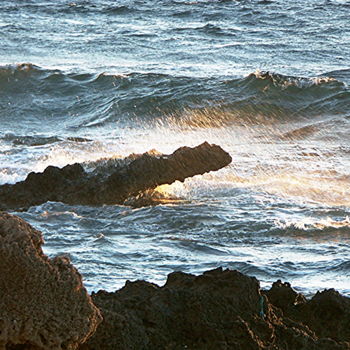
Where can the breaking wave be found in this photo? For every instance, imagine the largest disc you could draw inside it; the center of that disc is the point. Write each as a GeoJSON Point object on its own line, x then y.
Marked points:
{"type": "Point", "coordinates": [85, 100]}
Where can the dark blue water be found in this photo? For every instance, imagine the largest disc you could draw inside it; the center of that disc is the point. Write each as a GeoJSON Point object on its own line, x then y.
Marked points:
{"type": "Point", "coordinates": [266, 80]}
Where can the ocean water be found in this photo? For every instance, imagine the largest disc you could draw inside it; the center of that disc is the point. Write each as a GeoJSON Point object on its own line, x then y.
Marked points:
{"type": "Point", "coordinates": [266, 80]}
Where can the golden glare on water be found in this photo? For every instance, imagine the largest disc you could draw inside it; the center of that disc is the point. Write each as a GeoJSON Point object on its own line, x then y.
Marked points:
{"type": "Point", "coordinates": [301, 187]}
{"type": "Point", "coordinates": [293, 187]}
{"type": "Point", "coordinates": [289, 162]}
{"type": "Point", "coordinates": [292, 161]}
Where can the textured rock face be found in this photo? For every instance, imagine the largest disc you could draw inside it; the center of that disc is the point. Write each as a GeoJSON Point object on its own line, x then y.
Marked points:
{"type": "Point", "coordinates": [43, 304]}
{"type": "Point", "coordinates": [112, 184]}
{"type": "Point", "coordinates": [216, 310]}
{"type": "Point", "coordinates": [327, 313]}
{"type": "Point", "coordinates": [284, 296]}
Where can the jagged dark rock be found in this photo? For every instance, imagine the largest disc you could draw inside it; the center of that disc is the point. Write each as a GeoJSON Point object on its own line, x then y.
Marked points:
{"type": "Point", "coordinates": [44, 306]}
{"type": "Point", "coordinates": [327, 313]}
{"type": "Point", "coordinates": [43, 303]}
{"type": "Point", "coordinates": [221, 309]}
{"type": "Point", "coordinates": [112, 184]}
{"type": "Point", "coordinates": [282, 295]}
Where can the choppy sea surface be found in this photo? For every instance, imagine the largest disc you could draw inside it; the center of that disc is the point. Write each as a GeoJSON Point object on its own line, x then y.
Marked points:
{"type": "Point", "coordinates": [267, 80]}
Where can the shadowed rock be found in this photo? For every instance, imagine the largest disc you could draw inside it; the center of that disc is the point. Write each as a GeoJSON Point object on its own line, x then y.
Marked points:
{"type": "Point", "coordinates": [113, 182]}
{"type": "Point", "coordinates": [327, 313]}
{"type": "Point", "coordinates": [43, 304]}
{"type": "Point", "coordinates": [221, 309]}
{"type": "Point", "coordinates": [282, 295]}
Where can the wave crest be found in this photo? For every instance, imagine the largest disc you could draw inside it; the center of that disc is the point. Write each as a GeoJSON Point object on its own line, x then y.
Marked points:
{"type": "Point", "coordinates": [286, 82]}
{"type": "Point", "coordinates": [314, 224]}
{"type": "Point", "coordinates": [83, 99]}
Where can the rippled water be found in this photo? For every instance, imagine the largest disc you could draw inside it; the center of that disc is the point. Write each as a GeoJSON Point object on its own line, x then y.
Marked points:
{"type": "Point", "coordinates": [266, 80]}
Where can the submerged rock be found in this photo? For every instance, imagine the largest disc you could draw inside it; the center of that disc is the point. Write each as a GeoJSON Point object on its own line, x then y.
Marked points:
{"type": "Point", "coordinates": [43, 304]}
{"type": "Point", "coordinates": [114, 182]}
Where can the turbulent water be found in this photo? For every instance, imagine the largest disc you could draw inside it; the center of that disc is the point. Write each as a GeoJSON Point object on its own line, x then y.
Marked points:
{"type": "Point", "coordinates": [266, 80]}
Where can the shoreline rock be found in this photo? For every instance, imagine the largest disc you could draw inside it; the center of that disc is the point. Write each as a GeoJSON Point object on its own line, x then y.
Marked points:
{"type": "Point", "coordinates": [114, 181]}
{"type": "Point", "coordinates": [327, 313]}
{"type": "Point", "coordinates": [43, 303]}
{"type": "Point", "coordinates": [44, 306]}
{"type": "Point", "coordinates": [220, 309]}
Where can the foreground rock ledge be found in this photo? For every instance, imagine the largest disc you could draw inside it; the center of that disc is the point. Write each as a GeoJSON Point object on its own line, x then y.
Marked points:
{"type": "Point", "coordinates": [221, 309]}
{"type": "Point", "coordinates": [112, 182]}
{"type": "Point", "coordinates": [43, 304]}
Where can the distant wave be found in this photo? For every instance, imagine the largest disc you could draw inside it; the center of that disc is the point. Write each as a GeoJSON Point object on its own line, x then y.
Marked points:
{"type": "Point", "coordinates": [91, 100]}
{"type": "Point", "coordinates": [208, 28]}
{"type": "Point", "coordinates": [287, 82]}
{"type": "Point", "coordinates": [122, 9]}
{"type": "Point", "coordinates": [37, 140]}
{"type": "Point", "coordinates": [72, 7]}
{"type": "Point", "coordinates": [314, 225]}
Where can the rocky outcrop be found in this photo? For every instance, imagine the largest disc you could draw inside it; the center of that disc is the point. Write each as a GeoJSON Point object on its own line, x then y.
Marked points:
{"type": "Point", "coordinates": [221, 309]}
{"type": "Point", "coordinates": [43, 304]}
{"type": "Point", "coordinates": [327, 313]}
{"type": "Point", "coordinates": [112, 182]}
{"type": "Point", "coordinates": [282, 295]}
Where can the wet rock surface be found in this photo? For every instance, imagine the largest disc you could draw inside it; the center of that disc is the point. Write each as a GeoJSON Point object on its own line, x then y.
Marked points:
{"type": "Point", "coordinates": [112, 184]}
{"type": "Point", "coordinates": [43, 304]}
{"type": "Point", "coordinates": [221, 309]}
